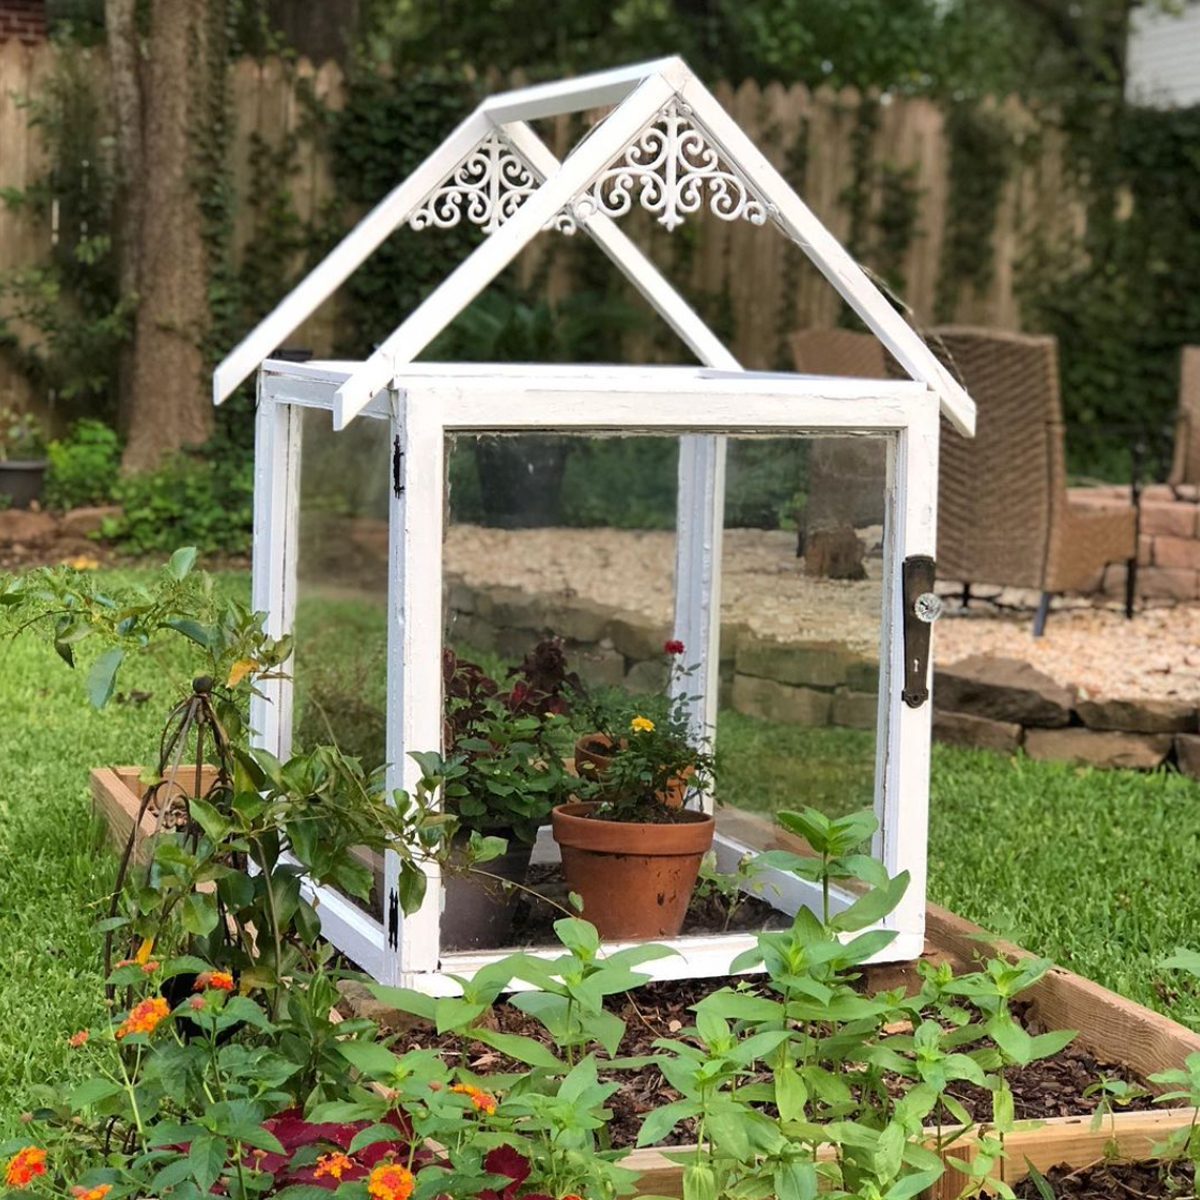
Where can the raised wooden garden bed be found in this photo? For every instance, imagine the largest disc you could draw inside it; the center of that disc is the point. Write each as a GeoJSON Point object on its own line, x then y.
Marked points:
{"type": "Point", "coordinates": [1109, 1026]}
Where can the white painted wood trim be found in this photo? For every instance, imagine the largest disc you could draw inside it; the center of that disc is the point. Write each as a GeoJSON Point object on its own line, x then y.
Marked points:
{"type": "Point", "coordinates": [828, 254]}
{"type": "Point", "coordinates": [415, 660]}
{"type": "Point", "coordinates": [595, 90]}
{"type": "Point", "coordinates": [275, 547]}
{"type": "Point", "coordinates": [489, 258]}
{"type": "Point", "coordinates": [341, 262]}
{"type": "Point", "coordinates": [477, 406]}
{"type": "Point", "coordinates": [912, 514]}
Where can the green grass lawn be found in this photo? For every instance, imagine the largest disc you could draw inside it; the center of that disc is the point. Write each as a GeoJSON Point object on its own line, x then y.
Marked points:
{"type": "Point", "coordinates": [1100, 870]}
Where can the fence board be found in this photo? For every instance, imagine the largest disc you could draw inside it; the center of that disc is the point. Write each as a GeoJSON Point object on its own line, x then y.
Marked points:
{"type": "Point", "coordinates": [770, 286]}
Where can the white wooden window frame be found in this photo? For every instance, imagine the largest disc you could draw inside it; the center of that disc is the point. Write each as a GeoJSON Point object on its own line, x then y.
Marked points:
{"type": "Point", "coordinates": [428, 402]}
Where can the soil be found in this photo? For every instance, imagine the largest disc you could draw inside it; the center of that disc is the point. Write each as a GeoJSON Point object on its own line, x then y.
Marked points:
{"type": "Point", "coordinates": [533, 917]}
{"type": "Point", "coordinates": [1113, 1181]}
{"type": "Point", "coordinates": [1051, 1088]}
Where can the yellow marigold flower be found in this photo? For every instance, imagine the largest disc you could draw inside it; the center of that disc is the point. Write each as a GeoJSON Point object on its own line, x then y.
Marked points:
{"type": "Point", "coordinates": [390, 1182]}
{"type": "Point", "coordinates": [82, 562]}
{"type": "Point", "coordinates": [96, 1193]}
{"type": "Point", "coordinates": [144, 1017]}
{"type": "Point", "coordinates": [221, 980]}
{"type": "Point", "coordinates": [484, 1102]}
{"type": "Point", "coordinates": [24, 1166]}
{"type": "Point", "coordinates": [642, 725]}
{"type": "Point", "coordinates": [333, 1166]}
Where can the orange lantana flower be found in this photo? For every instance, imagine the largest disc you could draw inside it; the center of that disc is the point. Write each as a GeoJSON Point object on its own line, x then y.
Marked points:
{"type": "Point", "coordinates": [485, 1102]}
{"type": "Point", "coordinates": [390, 1182]}
{"type": "Point", "coordinates": [144, 1017]}
{"type": "Point", "coordinates": [221, 980]}
{"type": "Point", "coordinates": [96, 1193]}
{"type": "Point", "coordinates": [24, 1166]}
{"type": "Point", "coordinates": [78, 1039]}
{"type": "Point", "coordinates": [333, 1165]}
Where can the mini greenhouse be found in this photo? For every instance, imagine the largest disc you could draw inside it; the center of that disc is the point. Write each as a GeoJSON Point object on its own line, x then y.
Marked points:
{"type": "Point", "coordinates": [665, 147]}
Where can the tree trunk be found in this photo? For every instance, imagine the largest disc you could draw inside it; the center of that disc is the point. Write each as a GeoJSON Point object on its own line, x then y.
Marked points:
{"type": "Point", "coordinates": [167, 405]}
{"type": "Point", "coordinates": [123, 56]}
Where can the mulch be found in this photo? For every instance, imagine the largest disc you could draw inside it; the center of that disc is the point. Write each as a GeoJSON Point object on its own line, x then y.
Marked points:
{"type": "Point", "coordinates": [1114, 1181]}
{"type": "Point", "coordinates": [1052, 1087]}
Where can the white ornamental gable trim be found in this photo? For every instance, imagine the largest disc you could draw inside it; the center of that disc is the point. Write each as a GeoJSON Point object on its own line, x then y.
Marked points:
{"type": "Point", "coordinates": [667, 141]}
{"type": "Point", "coordinates": [673, 168]}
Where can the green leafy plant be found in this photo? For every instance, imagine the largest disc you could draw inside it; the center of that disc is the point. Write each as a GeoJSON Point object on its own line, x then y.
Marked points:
{"type": "Point", "coordinates": [21, 435]}
{"type": "Point", "coordinates": [84, 466]}
{"type": "Point", "coordinates": [189, 500]}
{"type": "Point", "coordinates": [648, 747]}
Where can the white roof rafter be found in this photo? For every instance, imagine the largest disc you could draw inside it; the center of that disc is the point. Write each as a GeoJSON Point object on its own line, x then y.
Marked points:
{"type": "Point", "coordinates": [668, 145]}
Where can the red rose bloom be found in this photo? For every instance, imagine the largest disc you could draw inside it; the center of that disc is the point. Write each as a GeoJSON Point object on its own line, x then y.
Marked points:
{"type": "Point", "coordinates": [674, 646]}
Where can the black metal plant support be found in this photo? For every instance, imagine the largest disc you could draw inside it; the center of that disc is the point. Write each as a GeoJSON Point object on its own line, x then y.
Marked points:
{"type": "Point", "coordinates": [196, 718]}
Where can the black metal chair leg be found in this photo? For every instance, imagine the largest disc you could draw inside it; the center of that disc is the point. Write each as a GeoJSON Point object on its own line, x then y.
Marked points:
{"type": "Point", "coordinates": [1131, 574]}
{"type": "Point", "coordinates": [1043, 611]}
{"type": "Point", "coordinates": [966, 595]}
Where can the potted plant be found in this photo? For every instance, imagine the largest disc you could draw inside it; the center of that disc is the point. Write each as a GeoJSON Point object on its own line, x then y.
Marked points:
{"type": "Point", "coordinates": [22, 457]}
{"type": "Point", "coordinates": [630, 847]}
{"type": "Point", "coordinates": [501, 773]}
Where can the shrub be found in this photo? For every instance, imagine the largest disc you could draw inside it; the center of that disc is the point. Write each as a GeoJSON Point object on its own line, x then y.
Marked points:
{"type": "Point", "coordinates": [187, 500]}
{"type": "Point", "coordinates": [83, 466]}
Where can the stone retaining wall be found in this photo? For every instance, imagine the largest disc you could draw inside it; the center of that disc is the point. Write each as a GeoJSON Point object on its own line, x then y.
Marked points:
{"type": "Point", "coordinates": [982, 702]}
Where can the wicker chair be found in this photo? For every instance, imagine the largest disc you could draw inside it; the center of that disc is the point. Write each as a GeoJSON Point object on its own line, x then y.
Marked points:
{"type": "Point", "coordinates": [846, 476]}
{"type": "Point", "coordinates": [1004, 516]}
{"type": "Point", "coordinates": [1186, 465]}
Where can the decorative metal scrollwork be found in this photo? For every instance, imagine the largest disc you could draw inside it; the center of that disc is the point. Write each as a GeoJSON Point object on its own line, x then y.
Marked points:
{"type": "Point", "coordinates": [672, 170]}
{"type": "Point", "coordinates": [486, 188]}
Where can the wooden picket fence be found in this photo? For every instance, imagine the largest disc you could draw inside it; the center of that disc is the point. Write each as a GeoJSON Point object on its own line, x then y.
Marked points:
{"type": "Point", "coordinates": [762, 286]}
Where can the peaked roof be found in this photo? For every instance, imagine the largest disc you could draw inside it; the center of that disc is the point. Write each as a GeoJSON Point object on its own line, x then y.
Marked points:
{"type": "Point", "coordinates": [667, 145]}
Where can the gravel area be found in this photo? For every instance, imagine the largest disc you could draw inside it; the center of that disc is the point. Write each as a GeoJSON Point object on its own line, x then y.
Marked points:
{"type": "Point", "coordinates": [765, 588]}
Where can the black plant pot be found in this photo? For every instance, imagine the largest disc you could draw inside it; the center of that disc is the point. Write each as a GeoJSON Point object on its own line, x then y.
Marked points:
{"type": "Point", "coordinates": [21, 480]}
{"type": "Point", "coordinates": [479, 908]}
{"type": "Point", "coordinates": [521, 481]}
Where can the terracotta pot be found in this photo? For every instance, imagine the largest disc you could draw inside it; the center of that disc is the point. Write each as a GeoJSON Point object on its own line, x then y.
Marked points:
{"type": "Point", "coordinates": [593, 757]}
{"type": "Point", "coordinates": [635, 880]}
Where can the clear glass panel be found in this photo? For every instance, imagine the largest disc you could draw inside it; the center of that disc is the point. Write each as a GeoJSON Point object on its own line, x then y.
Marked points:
{"type": "Point", "coordinates": [340, 670]}
{"type": "Point", "coordinates": [563, 547]}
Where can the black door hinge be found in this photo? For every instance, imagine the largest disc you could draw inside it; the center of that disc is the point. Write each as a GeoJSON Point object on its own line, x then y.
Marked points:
{"type": "Point", "coordinates": [921, 609]}
{"type": "Point", "coordinates": [397, 468]}
{"type": "Point", "coordinates": [393, 920]}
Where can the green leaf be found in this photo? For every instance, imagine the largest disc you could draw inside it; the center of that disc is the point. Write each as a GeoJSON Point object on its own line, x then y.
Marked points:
{"type": "Point", "coordinates": [791, 1095]}
{"type": "Point", "coordinates": [102, 678]}
{"type": "Point", "coordinates": [182, 562]}
{"type": "Point", "coordinates": [91, 1092]}
{"type": "Point", "coordinates": [796, 1181]}
{"type": "Point", "coordinates": [662, 1120]}
{"type": "Point", "coordinates": [523, 1049]}
{"type": "Point", "coordinates": [913, 1185]}
{"type": "Point", "coordinates": [1039, 1181]}
{"type": "Point", "coordinates": [206, 1159]}
{"type": "Point", "coordinates": [407, 1000]}
{"type": "Point", "coordinates": [579, 936]}
{"type": "Point", "coordinates": [1183, 960]}
{"type": "Point", "coordinates": [372, 1059]}
{"type": "Point", "coordinates": [192, 630]}
{"type": "Point", "coordinates": [873, 906]}
{"type": "Point", "coordinates": [208, 818]}
{"type": "Point", "coordinates": [198, 914]}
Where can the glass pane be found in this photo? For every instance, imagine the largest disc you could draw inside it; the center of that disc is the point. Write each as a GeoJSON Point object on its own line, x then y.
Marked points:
{"type": "Point", "coordinates": [340, 669]}
{"type": "Point", "coordinates": [801, 607]}
{"type": "Point", "coordinates": [559, 599]}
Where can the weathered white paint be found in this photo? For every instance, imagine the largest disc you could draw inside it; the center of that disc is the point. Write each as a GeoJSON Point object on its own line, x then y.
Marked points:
{"type": "Point", "coordinates": [1163, 60]}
